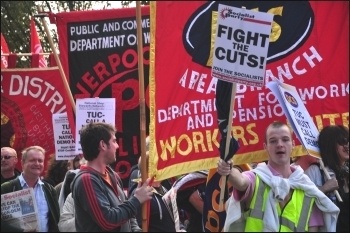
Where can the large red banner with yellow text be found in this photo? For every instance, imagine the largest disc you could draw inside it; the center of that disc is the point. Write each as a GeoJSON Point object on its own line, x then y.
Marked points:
{"type": "Point", "coordinates": [309, 49]}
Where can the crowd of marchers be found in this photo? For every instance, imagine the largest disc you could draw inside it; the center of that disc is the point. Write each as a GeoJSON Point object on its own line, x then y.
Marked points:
{"type": "Point", "coordinates": [280, 194]}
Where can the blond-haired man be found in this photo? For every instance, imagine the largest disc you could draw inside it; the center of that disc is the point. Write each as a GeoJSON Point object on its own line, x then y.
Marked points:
{"type": "Point", "coordinates": [45, 195]}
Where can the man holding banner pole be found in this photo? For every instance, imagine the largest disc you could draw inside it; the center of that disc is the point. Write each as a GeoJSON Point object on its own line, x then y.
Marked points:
{"type": "Point", "coordinates": [239, 42]}
{"type": "Point", "coordinates": [273, 191]}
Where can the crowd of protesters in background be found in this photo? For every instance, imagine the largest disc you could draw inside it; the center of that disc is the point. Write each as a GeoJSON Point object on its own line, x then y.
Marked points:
{"type": "Point", "coordinates": [86, 194]}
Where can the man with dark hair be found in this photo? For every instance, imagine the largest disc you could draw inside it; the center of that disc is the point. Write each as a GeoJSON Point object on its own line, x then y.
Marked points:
{"type": "Point", "coordinates": [99, 199]}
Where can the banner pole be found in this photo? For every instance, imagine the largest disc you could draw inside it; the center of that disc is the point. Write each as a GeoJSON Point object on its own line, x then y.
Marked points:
{"type": "Point", "coordinates": [143, 168]}
{"type": "Point", "coordinates": [223, 179]}
{"type": "Point", "coordinates": [329, 177]}
{"type": "Point", "coordinates": [58, 62]}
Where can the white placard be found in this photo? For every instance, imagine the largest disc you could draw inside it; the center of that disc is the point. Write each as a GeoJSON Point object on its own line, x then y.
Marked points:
{"type": "Point", "coordinates": [241, 45]}
{"type": "Point", "coordinates": [19, 210]}
{"type": "Point", "coordinates": [93, 110]}
{"type": "Point", "coordinates": [297, 115]}
{"type": "Point", "coordinates": [64, 139]}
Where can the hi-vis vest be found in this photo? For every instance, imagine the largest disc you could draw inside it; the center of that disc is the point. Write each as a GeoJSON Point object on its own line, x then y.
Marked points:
{"type": "Point", "coordinates": [294, 217]}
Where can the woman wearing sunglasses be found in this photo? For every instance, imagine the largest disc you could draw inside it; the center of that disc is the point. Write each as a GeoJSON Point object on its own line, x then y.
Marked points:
{"type": "Point", "coordinates": [333, 142]}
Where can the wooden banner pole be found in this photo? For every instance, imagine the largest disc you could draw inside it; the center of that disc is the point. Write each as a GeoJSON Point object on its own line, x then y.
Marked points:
{"type": "Point", "coordinates": [144, 172]}
{"type": "Point", "coordinates": [58, 62]}
{"type": "Point", "coordinates": [223, 179]}
{"type": "Point", "coordinates": [329, 177]}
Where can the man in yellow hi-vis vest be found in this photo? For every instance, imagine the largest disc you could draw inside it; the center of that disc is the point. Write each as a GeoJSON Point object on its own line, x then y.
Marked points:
{"type": "Point", "coordinates": [279, 197]}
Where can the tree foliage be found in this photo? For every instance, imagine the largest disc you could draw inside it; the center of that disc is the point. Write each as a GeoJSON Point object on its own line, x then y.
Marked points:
{"type": "Point", "coordinates": [128, 3]}
{"type": "Point", "coordinates": [15, 24]}
{"type": "Point", "coordinates": [15, 21]}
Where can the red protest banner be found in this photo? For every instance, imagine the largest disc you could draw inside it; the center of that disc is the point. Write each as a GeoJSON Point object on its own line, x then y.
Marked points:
{"type": "Point", "coordinates": [305, 51]}
{"type": "Point", "coordinates": [29, 97]}
{"type": "Point", "coordinates": [182, 90]}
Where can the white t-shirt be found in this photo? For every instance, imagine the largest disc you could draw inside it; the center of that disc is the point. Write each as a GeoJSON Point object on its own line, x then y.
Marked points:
{"type": "Point", "coordinates": [314, 173]}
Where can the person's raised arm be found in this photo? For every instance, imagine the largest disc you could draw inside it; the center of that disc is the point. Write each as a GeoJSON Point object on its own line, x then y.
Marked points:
{"type": "Point", "coordinates": [235, 176]}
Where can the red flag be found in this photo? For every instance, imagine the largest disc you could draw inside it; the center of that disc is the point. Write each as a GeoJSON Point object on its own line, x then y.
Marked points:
{"type": "Point", "coordinates": [35, 44]}
{"type": "Point", "coordinates": [4, 50]}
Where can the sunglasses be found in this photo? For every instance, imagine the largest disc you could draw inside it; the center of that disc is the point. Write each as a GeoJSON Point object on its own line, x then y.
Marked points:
{"type": "Point", "coordinates": [6, 157]}
{"type": "Point", "coordinates": [343, 141]}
